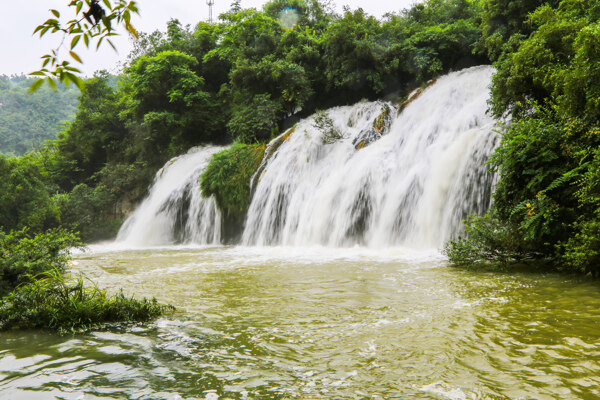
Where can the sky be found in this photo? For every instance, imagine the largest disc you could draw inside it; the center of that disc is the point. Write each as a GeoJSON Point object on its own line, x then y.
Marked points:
{"type": "Point", "coordinates": [20, 51]}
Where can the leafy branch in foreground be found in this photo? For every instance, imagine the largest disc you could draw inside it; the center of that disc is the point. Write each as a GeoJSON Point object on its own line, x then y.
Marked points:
{"type": "Point", "coordinates": [92, 26]}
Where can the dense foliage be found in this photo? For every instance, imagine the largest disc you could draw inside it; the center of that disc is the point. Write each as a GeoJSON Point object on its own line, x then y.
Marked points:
{"type": "Point", "coordinates": [27, 120]}
{"type": "Point", "coordinates": [547, 196]}
{"type": "Point", "coordinates": [227, 177]}
{"type": "Point", "coordinates": [23, 256]}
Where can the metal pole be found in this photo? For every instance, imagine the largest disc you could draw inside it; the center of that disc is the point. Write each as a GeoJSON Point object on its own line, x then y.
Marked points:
{"type": "Point", "coordinates": [210, 4]}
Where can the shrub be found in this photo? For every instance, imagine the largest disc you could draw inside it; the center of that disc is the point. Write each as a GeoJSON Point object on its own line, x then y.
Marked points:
{"type": "Point", "coordinates": [582, 251]}
{"type": "Point", "coordinates": [227, 177]}
{"type": "Point", "coordinates": [35, 294]}
{"type": "Point", "coordinates": [57, 302]}
{"type": "Point", "coordinates": [255, 120]}
{"type": "Point", "coordinates": [488, 239]}
{"type": "Point", "coordinates": [23, 255]}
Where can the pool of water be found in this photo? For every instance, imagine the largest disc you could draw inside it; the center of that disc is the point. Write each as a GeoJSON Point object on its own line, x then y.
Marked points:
{"type": "Point", "coordinates": [318, 323]}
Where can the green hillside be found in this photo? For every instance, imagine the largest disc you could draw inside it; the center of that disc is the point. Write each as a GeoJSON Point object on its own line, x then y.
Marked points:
{"type": "Point", "coordinates": [27, 119]}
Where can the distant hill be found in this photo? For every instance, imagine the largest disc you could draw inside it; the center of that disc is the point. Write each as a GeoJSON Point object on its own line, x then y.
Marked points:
{"type": "Point", "coordinates": [27, 120]}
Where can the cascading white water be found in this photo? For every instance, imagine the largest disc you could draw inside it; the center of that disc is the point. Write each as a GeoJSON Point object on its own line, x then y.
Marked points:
{"type": "Point", "coordinates": [175, 210]}
{"type": "Point", "coordinates": [412, 186]}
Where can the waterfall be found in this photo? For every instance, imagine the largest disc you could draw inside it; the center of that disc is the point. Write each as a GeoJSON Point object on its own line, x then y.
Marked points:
{"type": "Point", "coordinates": [365, 175]}
{"type": "Point", "coordinates": [175, 211]}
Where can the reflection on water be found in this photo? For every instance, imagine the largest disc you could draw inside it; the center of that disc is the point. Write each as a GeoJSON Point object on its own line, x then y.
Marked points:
{"type": "Point", "coordinates": [319, 324]}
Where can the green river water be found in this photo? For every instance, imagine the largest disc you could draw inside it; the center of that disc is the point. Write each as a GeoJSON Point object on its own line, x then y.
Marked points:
{"type": "Point", "coordinates": [288, 323]}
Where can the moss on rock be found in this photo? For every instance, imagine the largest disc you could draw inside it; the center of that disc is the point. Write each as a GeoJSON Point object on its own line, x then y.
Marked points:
{"type": "Point", "coordinates": [380, 123]}
{"type": "Point", "coordinates": [228, 175]}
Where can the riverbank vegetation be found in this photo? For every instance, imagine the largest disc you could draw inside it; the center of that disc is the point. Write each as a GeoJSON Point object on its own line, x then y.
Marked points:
{"type": "Point", "coordinates": [37, 292]}
{"type": "Point", "coordinates": [547, 201]}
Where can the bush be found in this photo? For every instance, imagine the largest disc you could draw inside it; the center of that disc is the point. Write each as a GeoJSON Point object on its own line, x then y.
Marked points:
{"type": "Point", "coordinates": [25, 199]}
{"type": "Point", "coordinates": [488, 239]}
{"type": "Point", "coordinates": [35, 294]}
{"type": "Point", "coordinates": [227, 177]}
{"type": "Point", "coordinates": [582, 252]}
{"type": "Point", "coordinates": [23, 255]}
{"type": "Point", "coordinates": [256, 120]}
{"type": "Point", "coordinates": [53, 301]}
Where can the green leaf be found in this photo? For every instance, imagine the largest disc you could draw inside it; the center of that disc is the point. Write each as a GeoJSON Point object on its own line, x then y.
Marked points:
{"type": "Point", "coordinates": [56, 13]}
{"type": "Point", "coordinates": [75, 41]}
{"type": "Point", "coordinates": [75, 79]}
{"type": "Point", "coordinates": [36, 85]}
{"type": "Point", "coordinates": [79, 6]}
{"type": "Point", "coordinates": [107, 23]}
{"type": "Point", "coordinates": [75, 57]}
{"type": "Point", "coordinates": [131, 29]}
{"type": "Point", "coordinates": [52, 84]}
{"type": "Point", "coordinates": [111, 44]}
{"type": "Point", "coordinates": [86, 40]}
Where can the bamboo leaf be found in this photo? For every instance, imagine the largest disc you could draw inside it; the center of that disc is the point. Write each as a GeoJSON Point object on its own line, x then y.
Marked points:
{"type": "Point", "coordinates": [111, 44]}
{"type": "Point", "coordinates": [75, 41]}
{"type": "Point", "coordinates": [131, 30]}
{"type": "Point", "coordinates": [52, 84]}
{"type": "Point", "coordinates": [75, 57]}
{"type": "Point", "coordinates": [36, 85]}
{"type": "Point", "coordinates": [75, 79]}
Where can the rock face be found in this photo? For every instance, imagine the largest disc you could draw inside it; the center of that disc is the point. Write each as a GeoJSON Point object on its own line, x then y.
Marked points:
{"type": "Point", "coordinates": [380, 127]}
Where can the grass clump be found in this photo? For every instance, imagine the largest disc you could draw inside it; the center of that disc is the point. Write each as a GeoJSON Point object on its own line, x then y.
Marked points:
{"type": "Point", "coordinates": [63, 303]}
{"type": "Point", "coordinates": [228, 175]}
{"type": "Point", "coordinates": [36, 293]}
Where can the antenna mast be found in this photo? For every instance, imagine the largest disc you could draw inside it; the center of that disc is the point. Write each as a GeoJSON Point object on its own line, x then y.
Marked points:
{"type": "Point", "coordinates": [210, 4]}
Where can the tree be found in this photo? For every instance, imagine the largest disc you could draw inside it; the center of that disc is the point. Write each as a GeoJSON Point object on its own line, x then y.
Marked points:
{"type": "Point", "coordinates": [353, 52]}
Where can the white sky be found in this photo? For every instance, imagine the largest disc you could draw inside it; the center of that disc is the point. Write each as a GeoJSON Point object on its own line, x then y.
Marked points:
{"type": "Point", "coordinates": [20, 51]}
